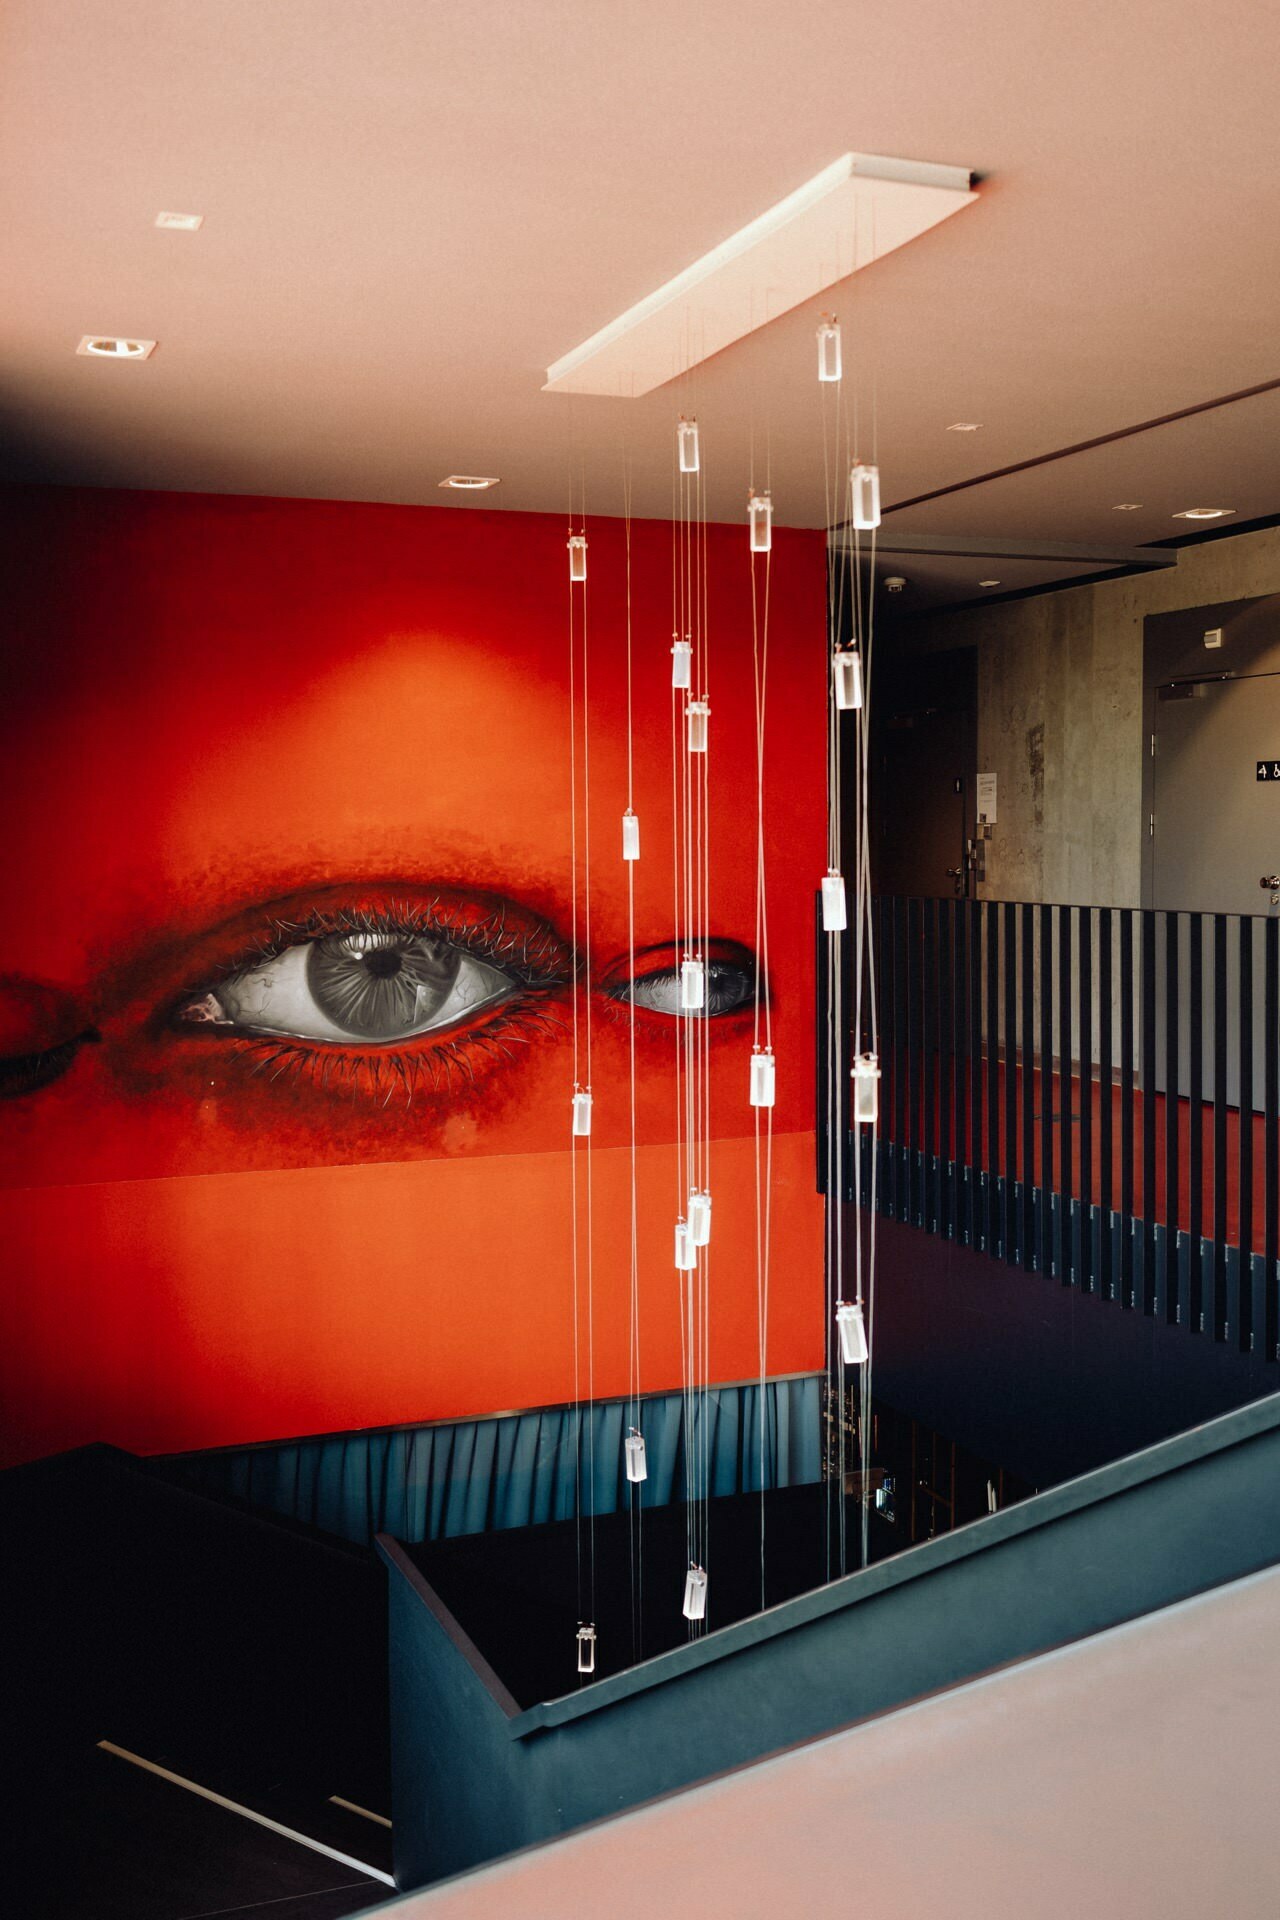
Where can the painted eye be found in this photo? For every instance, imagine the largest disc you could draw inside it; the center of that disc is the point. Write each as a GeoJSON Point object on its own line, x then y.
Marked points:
{"type": "Point", "coordinates": [375, 987]}
{"type": "Point", "coordinates": [731, 980]}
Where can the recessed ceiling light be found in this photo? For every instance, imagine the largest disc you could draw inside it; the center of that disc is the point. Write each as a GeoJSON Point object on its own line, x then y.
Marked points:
{"type": "Point", "coordinates": [988, 583]}
{"type": "Point", "coordinates": [965, 426]}
{"type": "Point", "coordinates": [1126, 506]}
{"type": "Point", "coordinates": [1204, 513]}
{"type": "Point", "coordinates": [470, 482]}
{"type": "Point", "coordinates": [109, 346]}
{"type": "Point", "coordinates": [180, 222]}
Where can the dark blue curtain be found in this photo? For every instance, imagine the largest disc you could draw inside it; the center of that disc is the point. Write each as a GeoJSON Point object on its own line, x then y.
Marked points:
{"type": "Point", "coordinates": [420, 1483]}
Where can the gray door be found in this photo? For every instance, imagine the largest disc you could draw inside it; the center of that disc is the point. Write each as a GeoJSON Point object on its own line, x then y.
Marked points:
{"type": "Point", "coordinates": [1216, 832]}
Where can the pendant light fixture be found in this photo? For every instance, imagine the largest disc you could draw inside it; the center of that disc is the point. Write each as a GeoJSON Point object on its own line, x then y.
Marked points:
{"type": "Point", "coordinates": [681, 663]}
{"type": "Point", "coordinates": [630, 835]}
{"type": "Point", "coordinates": [582, 1110]}
{"type": "Point", "coordinates": [578, 559]}
{"type": "Point", "coordinates": [835, 915]}
{"type": "Point", "coordinates": [864, 483]}
{"type": "Point", "coordinates": [846, 677]}
{"type": "Point", "coordinates": [760, 521]}
{"type": "Point", "coordinates": [698, 714]}
{"type": "Point", "coordinates": [700, 1217]}
{"type": "Point", "coordinates": [695, 1594]}
{"type": "Point", "coordinates": [829, 363]}
{"type": "Point", "coordinates": [865, 1074]}
{"type": "Point", "coordinates": [853, 1333]}
{"type": "Point", "coordinates": [687, 443]}
{"type": "Point", "coordinates": [634, 1456]}
{"type": "Point", "coordinates": [586, 1649]}
{"type": "Point", "coordinates": [693, 985]}
{"type": "Point", "coordinates": [762, 1077]}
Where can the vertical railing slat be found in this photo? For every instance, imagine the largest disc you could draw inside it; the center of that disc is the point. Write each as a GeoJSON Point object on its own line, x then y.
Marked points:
{"type": "Point", "coordinates": [1066, 1140]}
{"type": "Point", "coordinates": [1220, 1175]}
{"type": "Point", "coordinates": [1045, 1089]}
{"type": "Point", "coordinates": [1148, 1071]}
{"type": "Point", "coordinates": [1271, 1130]}
{"type": "Point", "coordinates": [1027, 1040]}
{"type": "Point", "coordinates": [1010, 1081]}
{"type": "Point", "coordinates": [1106, 1108]}
{"type": "Point", "coordinates": [1086, 1100]}
{"type": "Point", "coordinates": [993, 1079]}
{"type": "Point", "coordinates": [1172, 1168]}
{"type": "Point", "coordinates": [1245, 1143]}
{"type": "Point", "coordinates": [1195, 1123]}
{"type": "Point", "coordinates": [1126, 1110]}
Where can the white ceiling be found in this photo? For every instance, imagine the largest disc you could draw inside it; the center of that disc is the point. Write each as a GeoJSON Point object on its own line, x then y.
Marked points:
{"type": "Point", "coordinates": [412, 209]}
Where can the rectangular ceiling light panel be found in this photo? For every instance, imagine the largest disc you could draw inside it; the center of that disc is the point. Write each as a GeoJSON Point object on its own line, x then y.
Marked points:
{"type": "Point", "coordinates": [848, 215]}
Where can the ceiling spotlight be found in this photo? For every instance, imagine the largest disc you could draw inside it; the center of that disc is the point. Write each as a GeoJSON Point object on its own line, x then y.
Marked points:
{"type": "Point", "coordinates": [180, 222]}
{"type": "Point", "coordinates": [1204, 513]}
{"type": "Point", "coordinates": [965, 426]}
{"type": "Point", "coordinates": [107, 346]}
{"type": "Point", "coordinates": [1126, 506]}
{"type": "Point", "coordinates": [988, 583]}
{"type": "Point", "coordinates": [470, 482]}
{"type": "Point", "coordinates": [894, 583]}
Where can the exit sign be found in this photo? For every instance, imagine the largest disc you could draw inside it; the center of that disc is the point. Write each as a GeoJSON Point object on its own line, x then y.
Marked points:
{"type": "Point", "coordinates": [1269, 770]}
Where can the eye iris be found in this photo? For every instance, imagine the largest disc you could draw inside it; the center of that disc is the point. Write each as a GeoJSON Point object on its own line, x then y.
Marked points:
{"type": "Point", "coordinates": [381, 985]}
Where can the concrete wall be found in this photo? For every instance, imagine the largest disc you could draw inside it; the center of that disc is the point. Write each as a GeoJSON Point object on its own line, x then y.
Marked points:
{"type": "Point", "coordinates": [1060, 716]}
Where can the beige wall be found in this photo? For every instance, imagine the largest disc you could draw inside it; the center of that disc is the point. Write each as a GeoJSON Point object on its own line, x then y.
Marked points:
{"type": "Point", "coordinates": [1060, 717]}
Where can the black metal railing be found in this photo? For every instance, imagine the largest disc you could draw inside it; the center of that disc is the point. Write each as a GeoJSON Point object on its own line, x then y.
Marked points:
{"type": "Point", "coordinates": [1090, 1093]}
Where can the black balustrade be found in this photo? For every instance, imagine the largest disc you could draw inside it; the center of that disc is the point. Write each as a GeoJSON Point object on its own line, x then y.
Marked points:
{"type": "Point", "coordinates": [1092, 1094]}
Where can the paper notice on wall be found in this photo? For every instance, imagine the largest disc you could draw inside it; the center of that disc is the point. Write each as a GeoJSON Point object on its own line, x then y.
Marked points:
{"type": "Point", "coordinates": [987, 798]}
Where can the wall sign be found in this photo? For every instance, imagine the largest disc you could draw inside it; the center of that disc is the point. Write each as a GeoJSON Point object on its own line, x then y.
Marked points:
{"type": "Point", "coordinates": [986, 798]}
{"type": "Point", "coordinates": [1269, 770]}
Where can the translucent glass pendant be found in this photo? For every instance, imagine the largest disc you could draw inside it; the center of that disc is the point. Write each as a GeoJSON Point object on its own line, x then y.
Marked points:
{"type": "Point", "coordinates": [582, 1110]}
{"type": "Point", "coordinates": [687, 442]}
{"type": "Point", "coordinates": [835, 917]}
{"type": "Point", "coordinates": [853, 1333]}
{"type": "Point", "coordinates": [630, 835]}
{"type": "Point", "coordinates": [762, 1077]}
{"type": "Point", "coordinates": [682, 664]}
{"type": "Point", "coordinates": [693, 984]}
{"type": "Point", "coordinates": [846, 675]}
{"type": "Point", "coordinates": [586, 1649]}
{"type": "Point", "coordinates": [577, 557]}
{"type": "Point", "coordinates": [700, 1217]}
{"type": "Point", "coordinates": [866, 1088]}
{"type": "Point", "coordinates": [695, 1594]}
{"type": "Point", "coordinates": [698, 713]}
{"type": "Point", "coordinates": [864, 484]}
{"type": "Point", "coordinates": [829, 367]}
{"type": "Point", "coordinates": [633, 1454]}
{"type": "Point", "coordinates": [686, 1252]}
{"type": "Point", "coordinates": [760, 520]}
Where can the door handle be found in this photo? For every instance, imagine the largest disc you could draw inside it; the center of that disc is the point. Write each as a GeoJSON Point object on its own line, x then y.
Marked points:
{"type": "Point", "coordinates": [1269, 881]}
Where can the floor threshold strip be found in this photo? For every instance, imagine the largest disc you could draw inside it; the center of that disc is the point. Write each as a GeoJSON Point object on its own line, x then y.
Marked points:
{"type": "Point", "coordinates": [247, 1813]}
{"type": "Point", "coordinates": [336, 1800]}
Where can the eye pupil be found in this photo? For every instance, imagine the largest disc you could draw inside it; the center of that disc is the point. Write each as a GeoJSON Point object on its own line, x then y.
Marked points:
{"type": "Point", "coordinates": [383, 963]}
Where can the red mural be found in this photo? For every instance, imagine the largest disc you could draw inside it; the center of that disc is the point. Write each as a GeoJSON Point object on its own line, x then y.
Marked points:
{"type": "Point", "coordinates": [285, 1060]}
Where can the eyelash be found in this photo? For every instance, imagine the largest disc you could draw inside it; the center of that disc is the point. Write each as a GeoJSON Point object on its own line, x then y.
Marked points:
{"type": "Point", "coordinates": [532, 957]}
{"type": "Point", "coordinates": [438, 1066]}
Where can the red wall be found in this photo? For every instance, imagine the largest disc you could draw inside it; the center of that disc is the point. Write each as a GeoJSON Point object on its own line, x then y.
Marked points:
{"type": "Point", "coordinates": [227, 722]}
